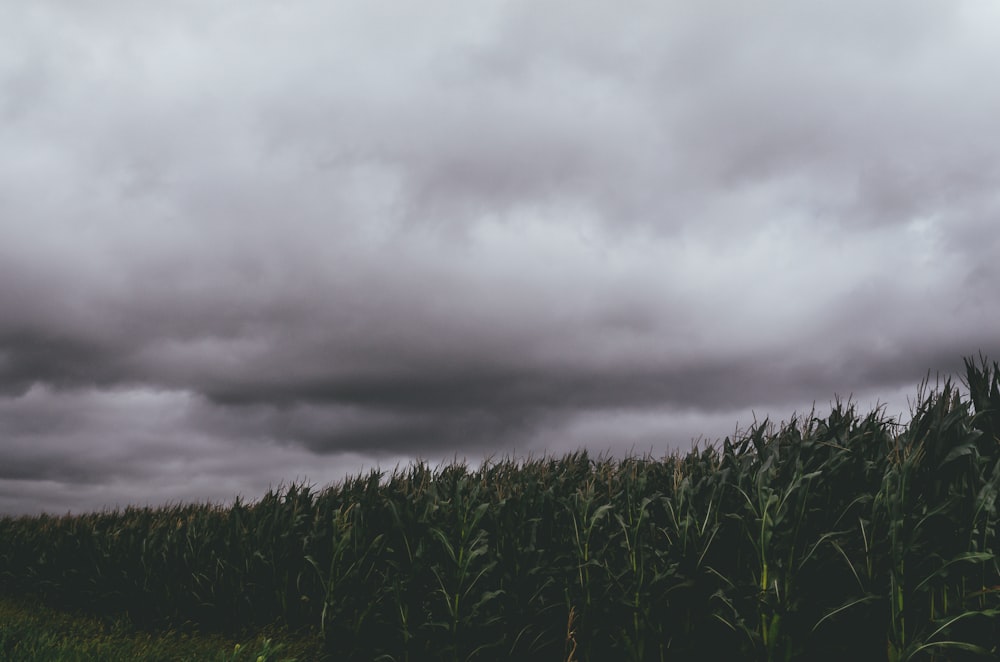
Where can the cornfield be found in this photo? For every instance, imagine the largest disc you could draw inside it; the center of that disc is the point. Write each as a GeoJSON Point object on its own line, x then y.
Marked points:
{"type": "Point", "coordinates": [848, 536]}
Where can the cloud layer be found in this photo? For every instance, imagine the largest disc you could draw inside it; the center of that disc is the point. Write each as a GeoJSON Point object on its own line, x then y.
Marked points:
{"type": "Point", "coordinates": [265, 241]}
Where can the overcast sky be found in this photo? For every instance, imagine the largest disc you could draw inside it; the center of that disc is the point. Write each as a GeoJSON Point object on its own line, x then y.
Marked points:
{"type": "Point", "coordinates": [247, 242]}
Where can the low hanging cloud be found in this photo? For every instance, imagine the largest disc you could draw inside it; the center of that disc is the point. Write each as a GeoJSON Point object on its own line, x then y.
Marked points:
{"type": "Point", "coordinates": [262, 242]}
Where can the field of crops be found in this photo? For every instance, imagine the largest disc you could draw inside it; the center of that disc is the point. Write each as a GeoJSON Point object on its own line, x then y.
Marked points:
{"type": "Point", "coordinates": [844, 537]}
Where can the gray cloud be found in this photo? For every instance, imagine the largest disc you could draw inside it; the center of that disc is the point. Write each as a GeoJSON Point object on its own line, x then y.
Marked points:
{"type": "Point", "coordinates": [255, 242]}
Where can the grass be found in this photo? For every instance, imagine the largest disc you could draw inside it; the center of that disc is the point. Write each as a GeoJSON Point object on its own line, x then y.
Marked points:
{"type": "Point", "coordinates": [30, 631]}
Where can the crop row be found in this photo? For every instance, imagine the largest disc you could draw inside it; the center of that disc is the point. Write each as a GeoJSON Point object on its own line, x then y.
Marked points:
{"type": "Point", "coordinates": [823, 538]}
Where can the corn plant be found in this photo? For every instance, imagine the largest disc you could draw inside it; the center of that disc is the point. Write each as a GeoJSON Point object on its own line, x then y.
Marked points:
{"type": "Point", "coordinates": [587, 513]}
{"type": "Point", "coordinates": [822, 539]}
{"type": "Point", "coordinates": [464, 566]}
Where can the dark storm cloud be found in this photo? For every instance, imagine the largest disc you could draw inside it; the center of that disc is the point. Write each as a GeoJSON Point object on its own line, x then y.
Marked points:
{"type": "Point", "coordinates": [247, 243]}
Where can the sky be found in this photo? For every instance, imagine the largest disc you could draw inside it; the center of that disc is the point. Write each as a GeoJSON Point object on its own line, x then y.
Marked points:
{"type": "Point", "coordinates": [249, 242]}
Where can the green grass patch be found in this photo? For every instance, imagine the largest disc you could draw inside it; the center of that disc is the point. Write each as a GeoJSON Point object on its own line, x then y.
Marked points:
{"type": "Point", "coordinates": [30, 632]}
